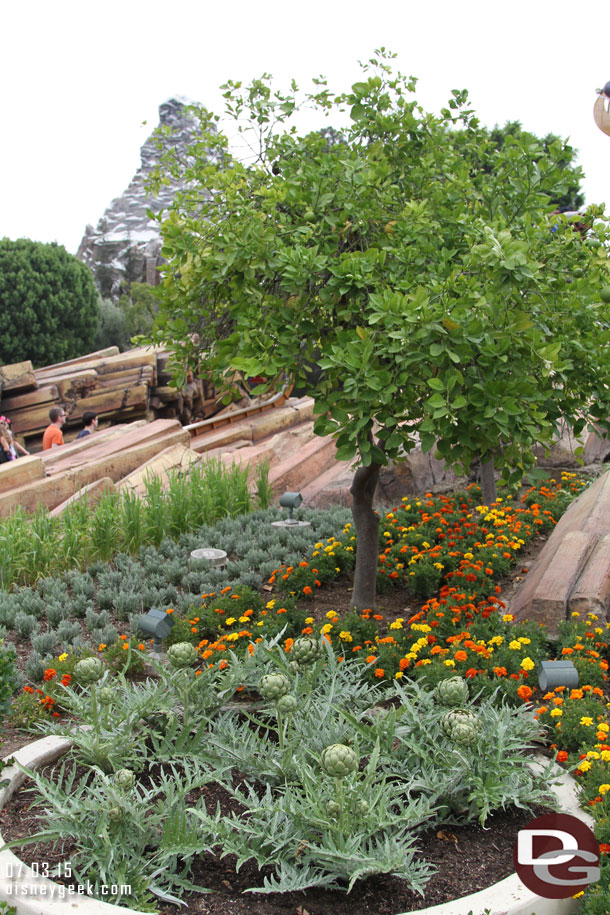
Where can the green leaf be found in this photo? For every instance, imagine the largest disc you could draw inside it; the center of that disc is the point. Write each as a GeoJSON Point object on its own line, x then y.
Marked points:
{"type": "Point", "coordinates": [436, 384]}
{"type": "Point", "coordinates": [427, 442]}
{"type": "Point", "coordinates": [345, 452]}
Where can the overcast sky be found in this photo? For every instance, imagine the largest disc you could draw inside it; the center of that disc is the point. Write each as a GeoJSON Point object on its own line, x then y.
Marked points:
{"type": "Point", "coordinates": [79, 79]}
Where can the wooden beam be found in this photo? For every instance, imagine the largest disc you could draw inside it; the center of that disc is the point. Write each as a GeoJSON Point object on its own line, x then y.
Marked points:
{"type": "Point", "coordinates": [17, 378]}
{"type": "Point", "coordinates": [46, 394]}
{"type": "Point", "coordinates": [17, 473]}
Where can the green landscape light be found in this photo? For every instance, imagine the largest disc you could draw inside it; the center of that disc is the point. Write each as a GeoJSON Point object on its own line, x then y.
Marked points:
{"type": "Point", "coordinates": [552, 674]}
{"type": "Point", "coordinates": [157, 625]}
{"type": "Point", "coordinates": [291, 500]}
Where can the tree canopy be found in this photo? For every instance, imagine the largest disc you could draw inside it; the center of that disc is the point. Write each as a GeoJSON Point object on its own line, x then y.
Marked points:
{"type": "Point", "coordinates": [48, 303]}
{"type": "Point", "coordinates": [451, 305]}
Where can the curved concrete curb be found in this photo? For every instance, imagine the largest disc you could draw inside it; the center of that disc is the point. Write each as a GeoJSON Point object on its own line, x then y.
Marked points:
{"type": "Point", "coordinates": [20, 886]}
{"type": "Point", "coordinates": [32, 894]}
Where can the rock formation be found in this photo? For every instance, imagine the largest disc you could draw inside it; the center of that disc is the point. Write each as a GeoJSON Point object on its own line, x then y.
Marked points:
{"type": "Point", "coordinates": [126, 244]}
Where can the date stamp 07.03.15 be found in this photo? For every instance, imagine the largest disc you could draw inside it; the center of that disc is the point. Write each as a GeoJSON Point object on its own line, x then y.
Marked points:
{"type": "Point", "coordinates": [37, 879]}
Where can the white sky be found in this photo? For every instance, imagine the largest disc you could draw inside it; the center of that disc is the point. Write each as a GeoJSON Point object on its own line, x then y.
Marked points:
{"type": "Point", "coordinates": [78, 79]}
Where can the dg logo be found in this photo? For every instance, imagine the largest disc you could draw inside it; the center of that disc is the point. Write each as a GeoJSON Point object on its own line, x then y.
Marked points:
{"type": "Point", "coordinates": [556, 856]}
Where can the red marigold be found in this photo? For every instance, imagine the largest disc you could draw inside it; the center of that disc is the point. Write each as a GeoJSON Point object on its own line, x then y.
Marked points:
{"type": "Point", "coordinates": [562, 756]}
{"type": "Point", "coordinates": [49, 673]}
{"type": "Point", "coordinates": [525, 692]}
{"type": "Point", "coordinates": [379, 672]}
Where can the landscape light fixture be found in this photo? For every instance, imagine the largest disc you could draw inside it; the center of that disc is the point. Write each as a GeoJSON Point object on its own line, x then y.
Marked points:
{"type": "Point", "coordinates": [210, 556]}
{"type": "Point", "coordinates": [552, 674]}
{"type": "Point", "coordinates": [291, 500]}
{"type": "Point", "coordinates": [157, 625]}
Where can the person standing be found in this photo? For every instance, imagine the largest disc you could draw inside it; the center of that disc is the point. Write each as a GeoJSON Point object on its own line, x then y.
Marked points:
{"type": "Point", "coordinates": [90, 422]}
{"type": "Point", "coordinates": [5, 445]}
{"type": "Point", "coordinates": [7, 435]}
{"type": "Point", "coordinates": [53, 435]}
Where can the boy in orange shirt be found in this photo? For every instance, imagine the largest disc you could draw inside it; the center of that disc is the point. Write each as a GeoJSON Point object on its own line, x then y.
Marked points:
{"type": "Point", "coordinates": [53, 435]}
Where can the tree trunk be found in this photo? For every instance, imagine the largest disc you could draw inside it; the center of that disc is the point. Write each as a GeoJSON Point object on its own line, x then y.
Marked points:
{"type": "Point", "coordinates": [366, 523]}
{"type": "Point", "coordinates": [488, 482]}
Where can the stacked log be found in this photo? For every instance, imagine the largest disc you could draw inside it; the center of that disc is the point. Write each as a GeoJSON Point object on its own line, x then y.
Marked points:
{"type": "Point", "coordinates": [117, 386]}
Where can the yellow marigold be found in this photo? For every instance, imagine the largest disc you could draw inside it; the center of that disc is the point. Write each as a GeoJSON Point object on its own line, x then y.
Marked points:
{"type": "Point", "coordinates": [556, 713]}
{"type": "Point", "coordinates": [527, 664]}
{"type": "Point", "coordinates": [600, 727]}
{"type": "Point", "coordinates": [524, 640]}
{"type": "Point", "coordinates": [507, 618]}
{"type": "Point", "coordinates": [331, 614]}
{"type": "Point", "coordinates": [603, 789]}
{"type": "Point", "coordinates": [397, 624]}
{"type": "Point", "coordinates": [586, 721]}
{"type": "Point", "coordinates": [585, 765]}
{"type": "Point", "coordinates": [515, 645]}
{"type": "Point", "coordinates": [449, 662]}
{"type": "Point", "coordinates": [63, 656]}
{"type": "Point", "coordinates": [326, 628]}
{"type": "Point", "coordinates": [346, 637]}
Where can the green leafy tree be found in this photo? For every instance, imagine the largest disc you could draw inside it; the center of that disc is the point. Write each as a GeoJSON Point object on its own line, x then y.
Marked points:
{"type": "Point", "coordinates": [140, 307]}
{"type": "Point", "coordinates": [48, 303]}
{"type": "Point", "coordinates": [112, 326]}
{"type": "Point", "coordinates": [425, 263]}
{"type": "Point", "coordinates": [571, 196]}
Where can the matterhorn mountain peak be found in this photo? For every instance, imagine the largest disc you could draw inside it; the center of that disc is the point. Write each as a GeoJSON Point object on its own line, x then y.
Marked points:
{"type": "Point", "coordinates": [125, 246]}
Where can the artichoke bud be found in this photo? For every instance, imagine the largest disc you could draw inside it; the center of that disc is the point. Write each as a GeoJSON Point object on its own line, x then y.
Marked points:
{"type": "Point", "coordinates": [339, 760]}
{"type": "Point", "coordinates": [452, 692]}
{"type": "Point", "coordinates": [182, 654]}
{"type": "Point", "coordinates": [273, 686]}
{"type": "Point", "coordinates": [89, 670]}
{"type": "Point", "coordinates": [125, 779]}
{"type": "Point", "coordinates": [287, 704]}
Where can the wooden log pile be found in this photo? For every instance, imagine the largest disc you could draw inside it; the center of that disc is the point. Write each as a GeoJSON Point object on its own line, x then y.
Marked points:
{"type": "Point", "coordinates": [117, 386]}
